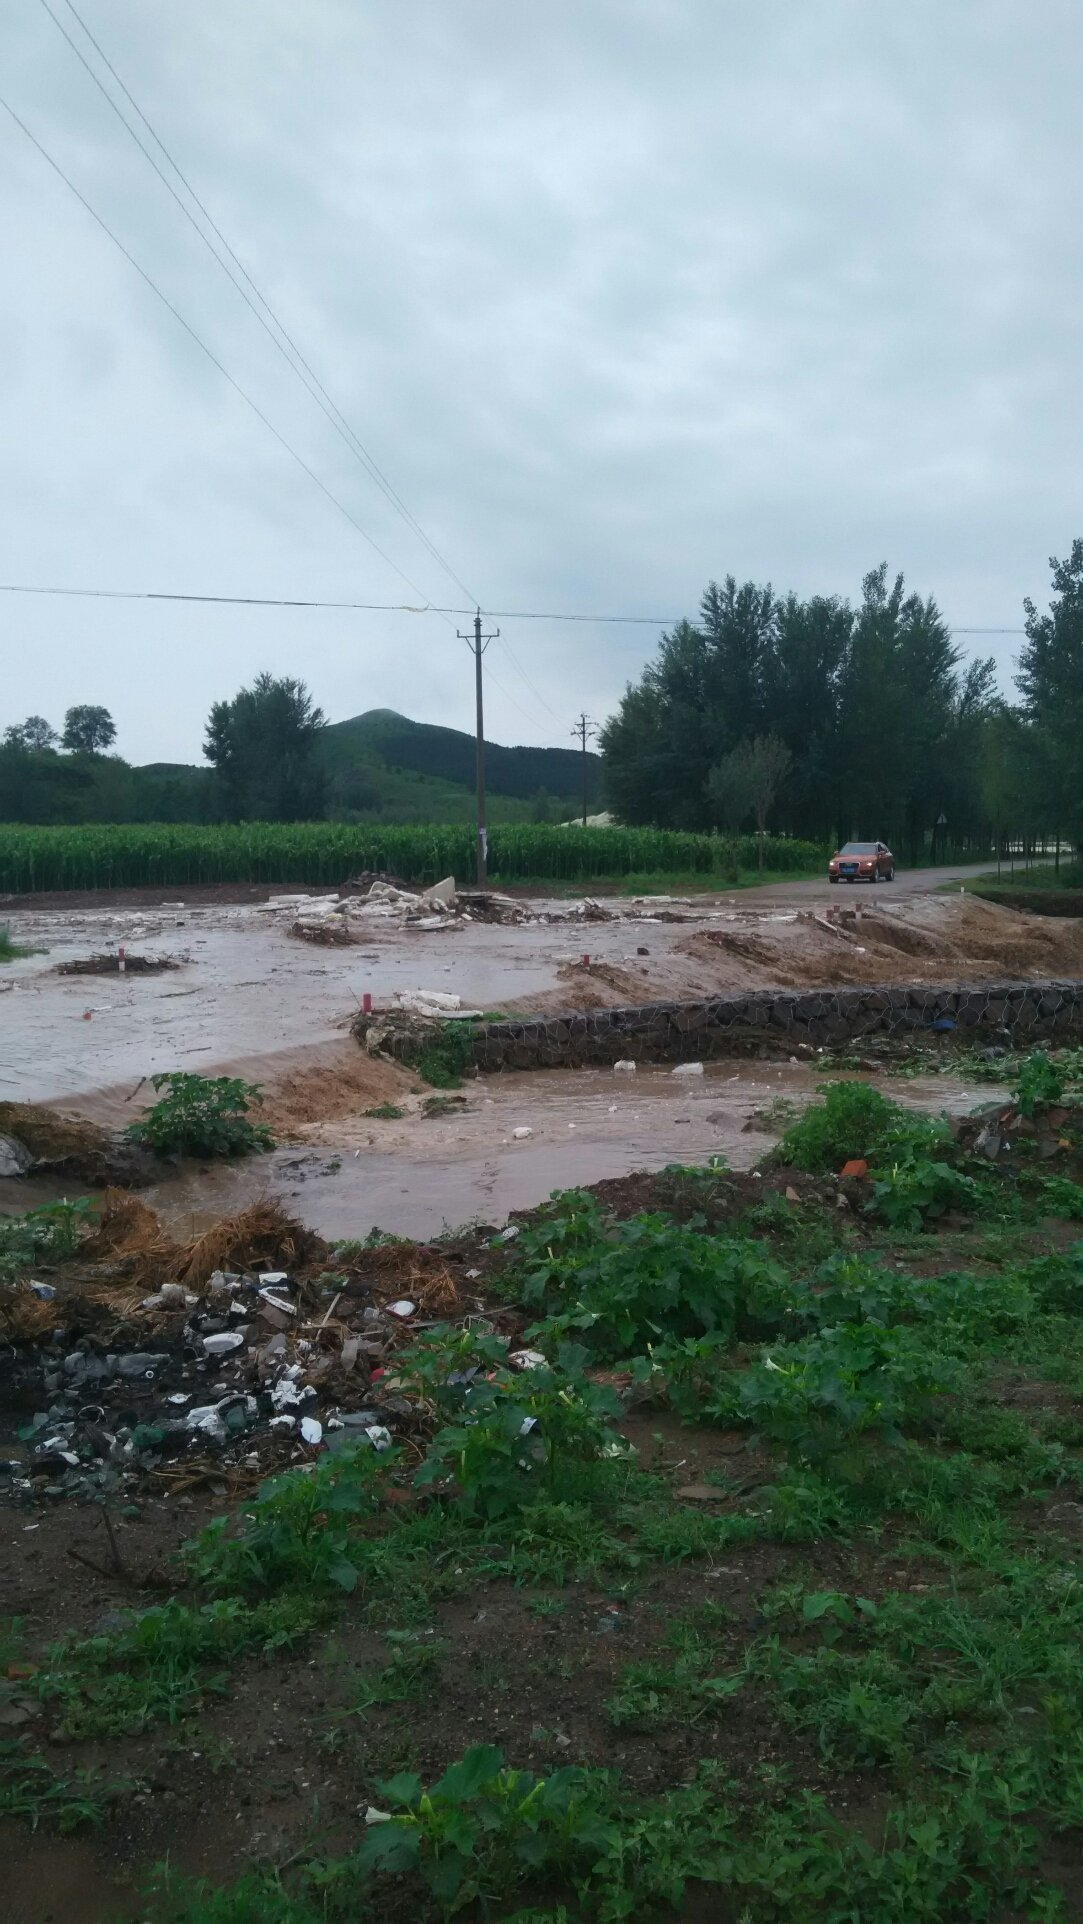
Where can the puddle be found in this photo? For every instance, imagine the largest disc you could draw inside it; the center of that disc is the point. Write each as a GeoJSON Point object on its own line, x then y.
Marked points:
{"type": "Point", "coordinates": [417, 1176]}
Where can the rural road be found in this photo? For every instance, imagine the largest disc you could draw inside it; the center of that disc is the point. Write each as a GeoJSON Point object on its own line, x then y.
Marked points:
{"type": "Point", "coordinates": [910, 881]}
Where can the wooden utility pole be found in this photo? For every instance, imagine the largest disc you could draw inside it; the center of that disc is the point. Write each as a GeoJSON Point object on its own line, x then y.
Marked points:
{"type": "Point", "coordinates": [582, 731]}
{"type": "Point", "coordinates": [477, 643]}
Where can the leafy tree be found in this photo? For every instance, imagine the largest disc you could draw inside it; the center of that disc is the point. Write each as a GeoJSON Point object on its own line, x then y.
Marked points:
{"type": "Point", "coordinates": [263, 745]}
{"type": "Point", "coordinates": [1050, 680]}
{"type": "Point", "coordinates": [88, 730]}
{"type": "Point", "coordinates": [34, 732]}
{"type": "Point", "coordinates": [728, 791]}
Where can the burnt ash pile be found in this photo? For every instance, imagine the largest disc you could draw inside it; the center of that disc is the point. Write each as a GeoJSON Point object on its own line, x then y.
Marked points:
{"type": "Point", "coordinates": [104, 1386]}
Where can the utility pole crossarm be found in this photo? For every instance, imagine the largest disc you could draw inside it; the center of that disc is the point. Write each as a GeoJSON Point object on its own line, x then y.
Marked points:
{"type": "Point", "coordinates": [477, 644]}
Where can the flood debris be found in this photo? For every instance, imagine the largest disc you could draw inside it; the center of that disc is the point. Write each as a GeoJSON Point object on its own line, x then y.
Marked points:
{"type": "Point", "coordinates": [267, 1358]}
{"type": "Point", "coordinates": [118, 962]}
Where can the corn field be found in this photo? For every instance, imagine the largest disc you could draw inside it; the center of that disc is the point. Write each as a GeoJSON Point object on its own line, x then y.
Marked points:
{"type": "Point", "coordinates": [168, 855]}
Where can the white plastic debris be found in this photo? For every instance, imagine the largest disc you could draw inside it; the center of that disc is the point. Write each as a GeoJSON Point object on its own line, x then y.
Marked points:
{"type": "Point", "coordinates": [278, 1302]}
{"type": "Point", "coordinates": [282, 1423]}
{"type": "Point", "coordinates": [624, 1068]}
{"type": "Point", "coordinates": [509, 1234]}
{"type": "Point", "coordinates": [527, 1359]}
{"type": "Point", "coordinates": [404, 1307]}
{"type": "Point", "coordinates": [374, 1816]}
{"type": "Point", "coordinates": [311, 1430]}
{"type": "Point", "coordinates": [378, 1436]}
{"type": "Point", "coordinates": [223, 1342]}
{"type": "Point", "coordinates": [207, 1420]}
{"type": "Point", "coordinates": [688, 1069]}
{"type": "Point", "coordinates": [273, 1278]}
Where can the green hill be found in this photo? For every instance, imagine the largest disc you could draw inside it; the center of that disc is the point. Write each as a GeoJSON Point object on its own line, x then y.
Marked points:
{"type": "Point", "coordinates": [383, 763]}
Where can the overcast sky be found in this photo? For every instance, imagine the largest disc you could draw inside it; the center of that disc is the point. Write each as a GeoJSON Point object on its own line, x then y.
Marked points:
{"type": "Point", "coordinates": [620, 295]}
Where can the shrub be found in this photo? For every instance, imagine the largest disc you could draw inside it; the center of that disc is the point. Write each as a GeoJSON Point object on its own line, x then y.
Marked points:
{"type": "Point", "coordinates": [855, 1120]}
{"type": "Point", "coordinates": [511, 1432]}
{"type": "Point", "coordinates": [619, 1286]}
{"type": "Point", "coordinates": [202, 1116]}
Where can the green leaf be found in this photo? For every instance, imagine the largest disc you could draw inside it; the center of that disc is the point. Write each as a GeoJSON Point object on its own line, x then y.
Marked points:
{"type": "Point", "coordinates": [480, 1764]}
{"type": "Point", "coordinates": [344, 1574]}
{"type": "Point", "coordinates": [404, 1789]}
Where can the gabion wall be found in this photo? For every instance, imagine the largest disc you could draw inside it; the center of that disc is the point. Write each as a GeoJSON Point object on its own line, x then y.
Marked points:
{"type": "Point", "coordinates": [725, 1025]}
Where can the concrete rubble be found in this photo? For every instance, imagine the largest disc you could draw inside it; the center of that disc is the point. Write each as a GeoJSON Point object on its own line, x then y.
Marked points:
{"type": "Point", "coordinates": [353, 916]}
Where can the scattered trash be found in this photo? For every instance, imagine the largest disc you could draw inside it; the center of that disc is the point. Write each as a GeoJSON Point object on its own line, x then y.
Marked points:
{"type": "Point", "coordinates": [402, 1308]}
{"type": "Point", "coordinates": [222, 1343]}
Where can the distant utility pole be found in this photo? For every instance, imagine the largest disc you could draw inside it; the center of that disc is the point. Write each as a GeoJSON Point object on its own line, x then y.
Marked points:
{"type": "Point", "coordinates": [583, 730]}
{"type": "Point", "coordinates": [477, 643]}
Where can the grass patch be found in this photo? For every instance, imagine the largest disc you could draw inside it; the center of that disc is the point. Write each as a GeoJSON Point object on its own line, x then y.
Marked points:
{"type": "Point", "coordinates": [12, 951]}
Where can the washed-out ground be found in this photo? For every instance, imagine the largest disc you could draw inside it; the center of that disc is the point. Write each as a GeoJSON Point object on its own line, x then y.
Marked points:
{"type": "Point", "coordinates": [603, 1643]}
{"type": "Point", "coordinates": [250, 999]}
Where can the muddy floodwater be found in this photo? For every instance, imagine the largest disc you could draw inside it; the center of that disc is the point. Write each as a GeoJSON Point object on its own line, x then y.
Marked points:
{"type": "Point", "coordinates": [415, 1176]}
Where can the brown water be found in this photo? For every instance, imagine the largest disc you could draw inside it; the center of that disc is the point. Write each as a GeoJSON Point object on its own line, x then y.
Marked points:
{"type": "Point", "coordinates": [417, 1176]}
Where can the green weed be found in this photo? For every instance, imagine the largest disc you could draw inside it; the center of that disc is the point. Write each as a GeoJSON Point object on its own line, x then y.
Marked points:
{"type": "Point", "coordinates": [202, 1116]}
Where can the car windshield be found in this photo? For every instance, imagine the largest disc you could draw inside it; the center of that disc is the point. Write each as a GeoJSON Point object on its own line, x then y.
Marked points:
{"type": "Point", "coordinates": [860, 848]}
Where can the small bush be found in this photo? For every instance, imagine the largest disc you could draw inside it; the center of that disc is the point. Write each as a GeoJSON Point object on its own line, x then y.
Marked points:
{"type": "Point", "coordinates": [202, 1116]}
{"type": "Point", "coordinates": [46, 1234]}
{"type": "Point", "coordinates": [620, 1286]}
{"type": "Point", "coordinates": [854, 1120]}
{"type": "Point", "coordinates": [446, 1055]}
{"type": "Point", "coordinates": [1040, 1084]}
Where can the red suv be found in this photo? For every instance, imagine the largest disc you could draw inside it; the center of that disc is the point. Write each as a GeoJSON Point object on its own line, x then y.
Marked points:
{"type": "Point", "coordinates": [862, 862]}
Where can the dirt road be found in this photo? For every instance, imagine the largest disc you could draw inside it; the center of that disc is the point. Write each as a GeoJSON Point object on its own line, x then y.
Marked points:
{"type": "Point", "coordinates": [908, 882]}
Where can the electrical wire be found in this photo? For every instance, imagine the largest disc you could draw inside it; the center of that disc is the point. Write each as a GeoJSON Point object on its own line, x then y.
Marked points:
{"type": "Point", "coordinates": [274, 328]}
{"type": "Point", "coordinates": [204, 349]}
{"type": "Point", "coordinates": [379, 607]}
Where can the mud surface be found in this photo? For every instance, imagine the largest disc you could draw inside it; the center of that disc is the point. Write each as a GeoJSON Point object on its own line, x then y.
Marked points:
{"type": "Point", "coordinates": [416, 1174]}
{"type": "Point", "coordinates": [249, 992]}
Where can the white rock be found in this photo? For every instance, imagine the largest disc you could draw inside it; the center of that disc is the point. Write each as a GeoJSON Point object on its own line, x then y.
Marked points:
{"type": "Point", "coordinates": [520, 1135]}
{"type": "Point", "coordinates": [404, 1307]}
{"type": "Point", "coordinates": [688, 1069]}
{"type": "Point", "coordinates": [624, 1068]}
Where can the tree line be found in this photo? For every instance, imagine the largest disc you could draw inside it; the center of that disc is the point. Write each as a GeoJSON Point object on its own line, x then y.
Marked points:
{"type": "Point", "coordinates": [820, 719]}
{"type": "Point", "coordinates": [813, 718]}
{"type": "Point", "coordinates": [261, 748]}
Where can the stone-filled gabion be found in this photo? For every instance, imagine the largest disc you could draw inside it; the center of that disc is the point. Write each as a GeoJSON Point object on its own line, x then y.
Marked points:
{"type": "Point", "coordinates": [726, 1025]}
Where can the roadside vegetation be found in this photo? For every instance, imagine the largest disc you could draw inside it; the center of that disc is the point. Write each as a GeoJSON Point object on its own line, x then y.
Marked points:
{"type": "Point", "coordinates": [843, 1668]}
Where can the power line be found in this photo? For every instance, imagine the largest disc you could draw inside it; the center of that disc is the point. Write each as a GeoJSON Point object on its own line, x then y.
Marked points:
{"type": "Point", "coordinates": [380, 607]}
{"type": "Point", "coordinates": [204, 349]}
{"type": "Point", "coordinates": [273, 327]}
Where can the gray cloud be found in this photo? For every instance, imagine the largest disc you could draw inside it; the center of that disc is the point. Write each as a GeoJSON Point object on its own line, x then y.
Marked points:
{"type": "Point", "coordinates": [620, 296]}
